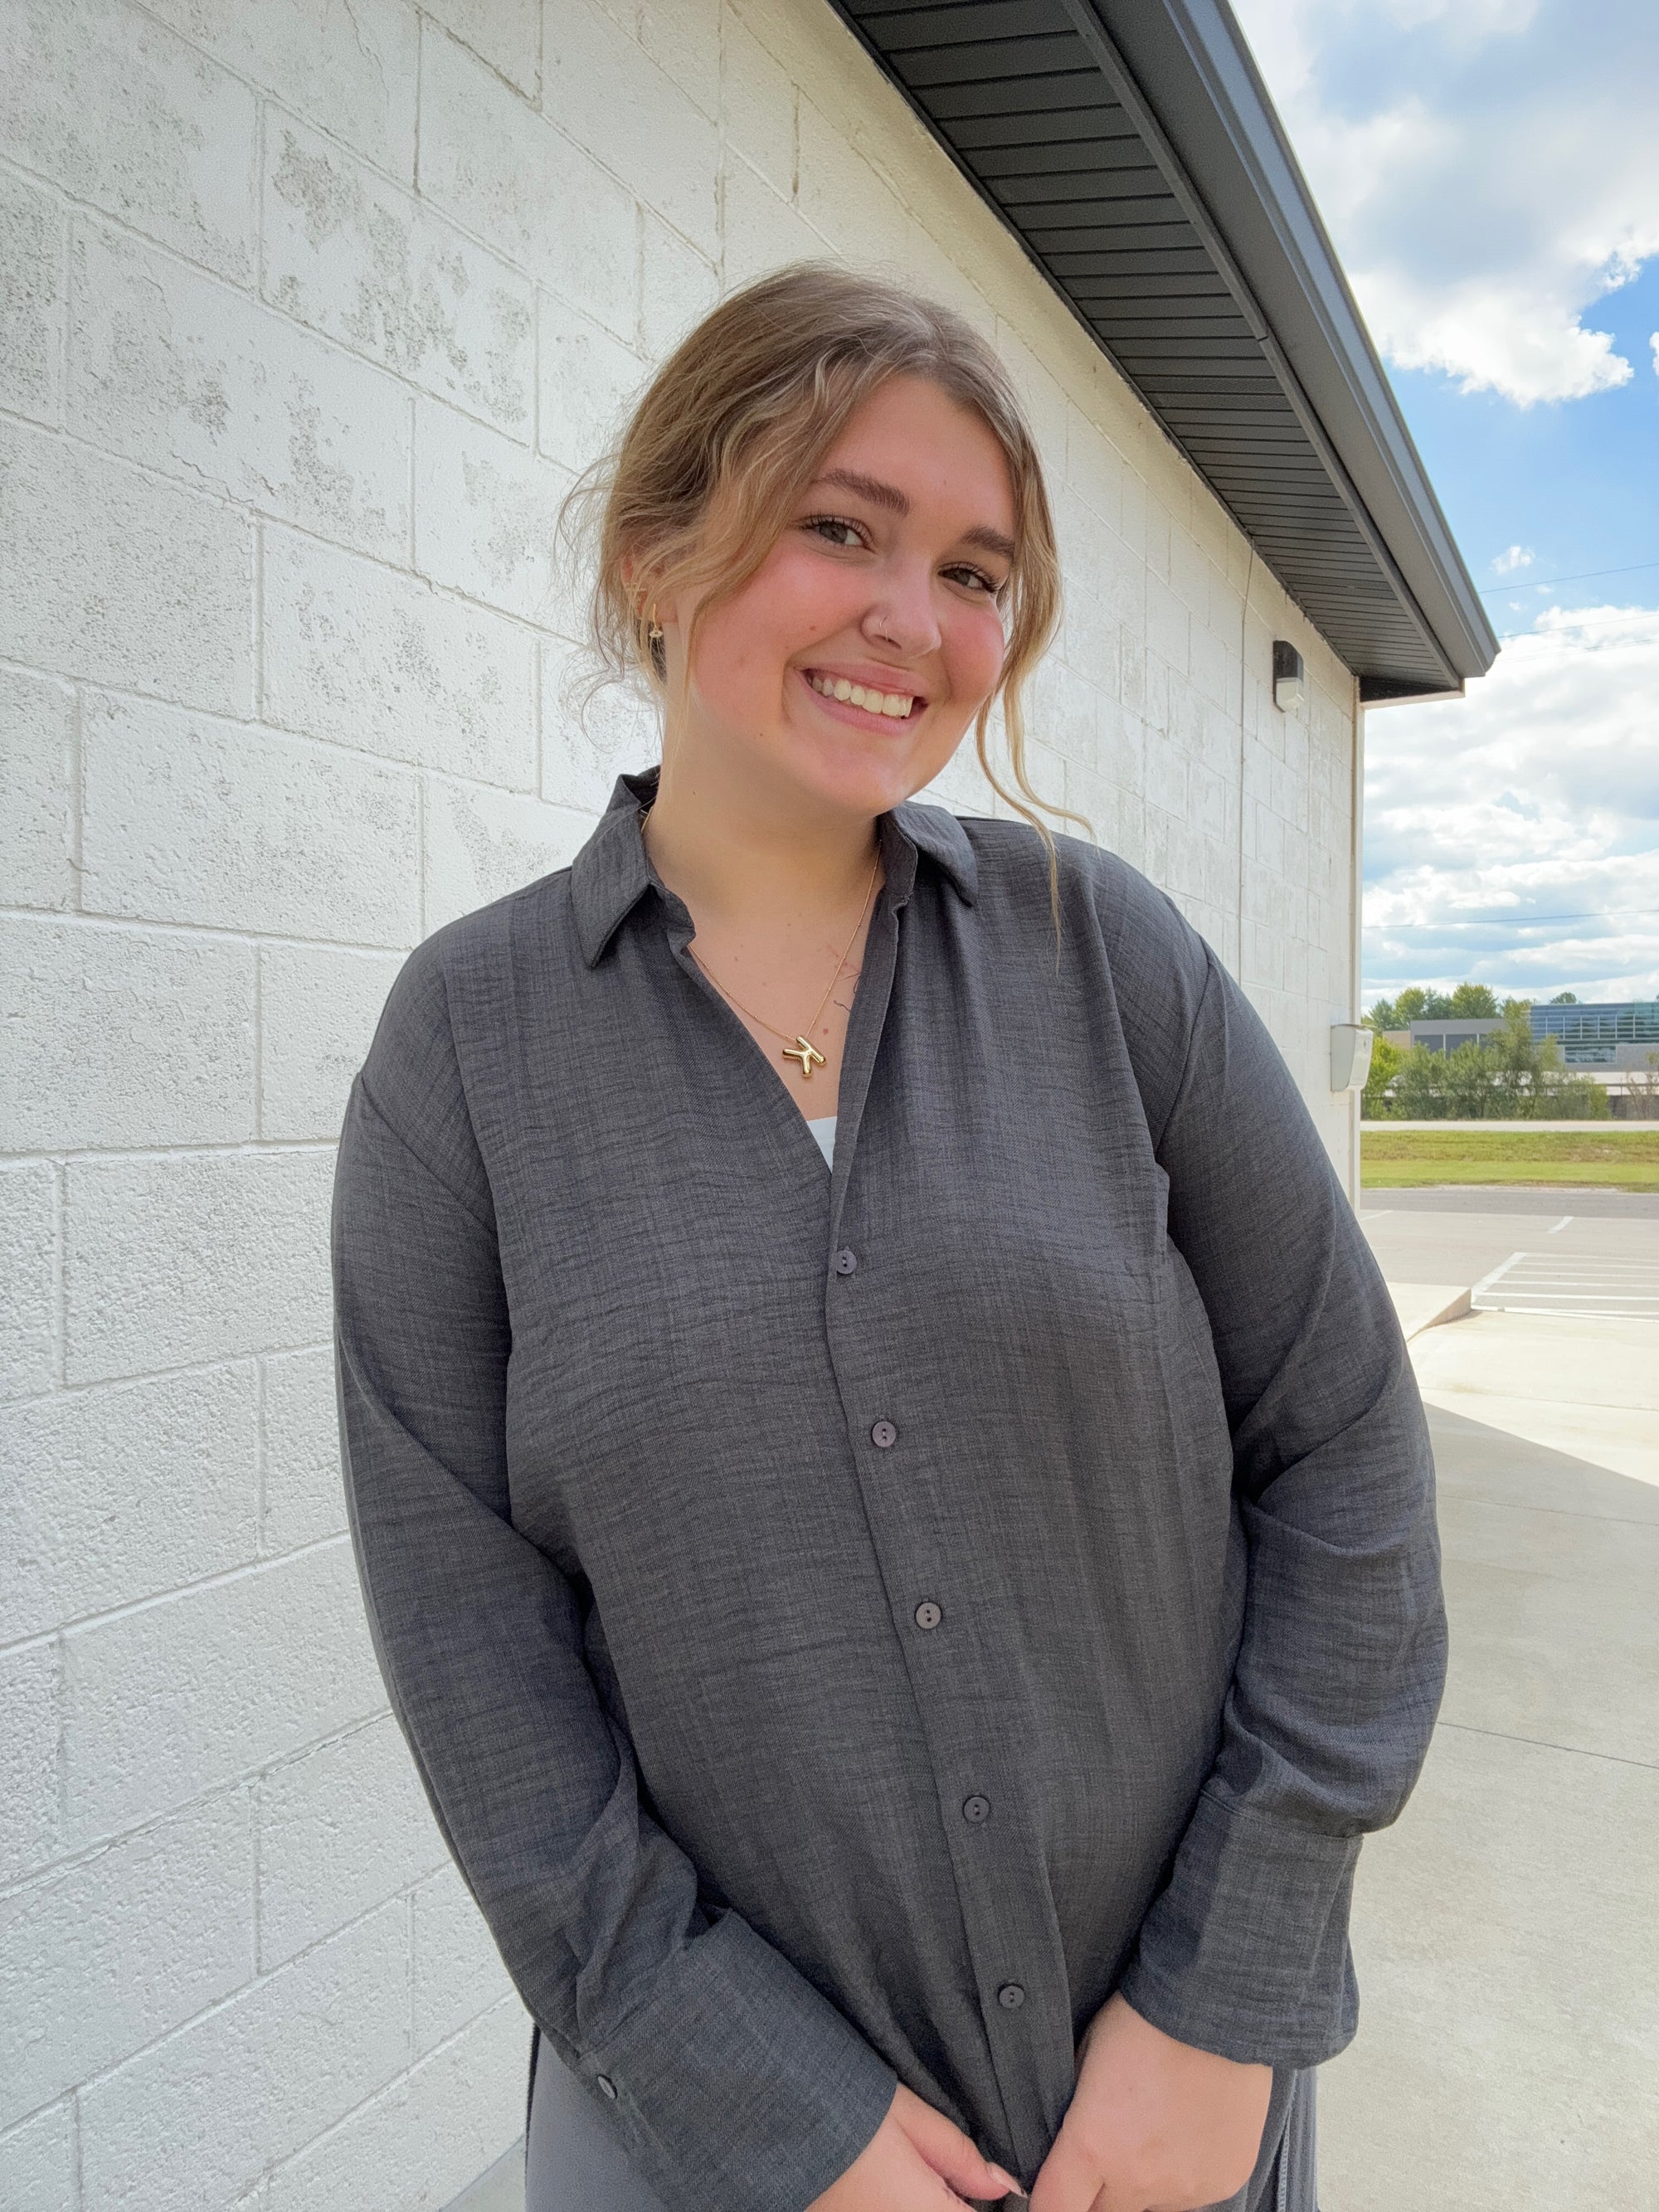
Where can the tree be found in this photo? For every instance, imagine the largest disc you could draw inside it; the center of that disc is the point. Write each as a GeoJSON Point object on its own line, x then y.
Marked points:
{"type": "Point", "coordinates": [1565, 999]}
{"type": "Point", "coordinates": [1512, 1076]}
{"type": "Point", "coordinates": [1387, 1059]}
{"type": "Point", "coordinates": [1473, 1002]}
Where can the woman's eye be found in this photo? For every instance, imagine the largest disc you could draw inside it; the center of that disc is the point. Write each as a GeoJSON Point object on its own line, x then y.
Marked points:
{"type": "Point", "coordinates": [835, 530]}
{"type": "Point", "coordinates": [975, 579]}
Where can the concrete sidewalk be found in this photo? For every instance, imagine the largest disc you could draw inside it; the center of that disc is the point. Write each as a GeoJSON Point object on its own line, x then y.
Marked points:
{"type": "Point", "coordinates": [1505, 1929]}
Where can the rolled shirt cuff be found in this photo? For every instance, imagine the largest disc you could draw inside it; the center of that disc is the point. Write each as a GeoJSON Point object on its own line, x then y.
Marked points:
{"type": "Point", "coordinates": [1245, 1953]}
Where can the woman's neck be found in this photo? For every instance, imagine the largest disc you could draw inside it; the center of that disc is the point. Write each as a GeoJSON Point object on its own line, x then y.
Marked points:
{"type": "Point", "coordinates": [755, 858]}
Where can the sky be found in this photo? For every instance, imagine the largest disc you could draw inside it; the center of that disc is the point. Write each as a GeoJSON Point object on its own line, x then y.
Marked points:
{"type": "Point", "coordinates": [1489, 173]}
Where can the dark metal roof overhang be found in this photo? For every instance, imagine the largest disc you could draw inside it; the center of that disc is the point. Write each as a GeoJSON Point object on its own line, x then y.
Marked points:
{"type": "Point", "coordinates": [1130, 148]}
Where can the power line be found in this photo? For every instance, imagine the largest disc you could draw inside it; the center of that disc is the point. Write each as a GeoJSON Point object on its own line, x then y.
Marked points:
{"type": "Point", "coordinates": [1547, 583]}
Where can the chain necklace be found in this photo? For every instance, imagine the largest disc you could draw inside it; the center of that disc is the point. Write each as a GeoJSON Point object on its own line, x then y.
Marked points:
{"type": "Point", "coordinates": [803, 1049]}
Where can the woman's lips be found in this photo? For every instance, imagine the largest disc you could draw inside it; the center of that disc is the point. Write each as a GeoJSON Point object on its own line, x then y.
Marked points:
{"type": "Point", "coordinates": [865, 704]}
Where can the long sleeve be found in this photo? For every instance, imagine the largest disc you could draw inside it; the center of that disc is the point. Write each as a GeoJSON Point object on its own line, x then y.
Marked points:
{"type": "Point", "coordinates": [1339, 1670]}
{"type": "Point", "coordinates": [730, 2079]}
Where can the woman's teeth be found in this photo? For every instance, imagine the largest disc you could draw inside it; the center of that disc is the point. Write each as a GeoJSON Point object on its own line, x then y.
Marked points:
{"type": "Point", "coordinates": [896, 704]}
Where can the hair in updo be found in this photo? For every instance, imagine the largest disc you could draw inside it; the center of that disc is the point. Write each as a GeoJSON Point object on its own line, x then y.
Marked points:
{"type": "Point", "coordinates": [744, 411]}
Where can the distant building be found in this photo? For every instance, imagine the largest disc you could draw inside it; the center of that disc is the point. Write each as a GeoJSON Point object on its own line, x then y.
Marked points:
{"type": "Point", "coordinates": [1618, 1033]}
{"type": "Point", "coordinates": [1446, 1034]}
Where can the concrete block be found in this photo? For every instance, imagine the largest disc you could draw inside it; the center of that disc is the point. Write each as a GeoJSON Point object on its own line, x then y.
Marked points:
{"type": "Point", "coordinates": [99, 1958]}
{"type": "Point", "coordinates": [677, 287]}
{"type": "Point", "coordinates": [31, 245]}
{"type": "Point", "coordinates": [507, 174]}
{"type": "Point", "coordinates": [601, 87]}
{"type": "Point", "coordinates": [318, 1007]}
{"type": "Point", "coordinates": [341, 1828]}
{"type": "Point", "coordinates": [193, 1692]}
{"type": "Point", "coordinates": [186, 2125]}
{"type": "Point", "coordinates": [120, 1037]}
{"type": "Point", "coordinates": [589, 383]}
{"type": "Point", "coordinates": [380, 662]}
{"type": "Point", "coordinates": [29, 1273]}
{"type": "Point", "coordinates": [302, 1488]}
{"type": "Point", "coordinates": [348, 65]}
{"type": "Point", "coordinates": [31, 1828]}
{"type": "Point", "coordinates": [417, 2146]}
{"type": "Point", "coordinates": [108, 575]}
{"type": "Point", "coordinates": [112, 106]}
{"type": "Point", "coordinates": [202, 1256]}
{"type": "Point", "coordinates": [761, 231]}
{"type": "Point", "coordinates": [482, 844]}
{"type": "Point", "coordinates": [236, 827]}
{"type": "Point", "coordinates": [455, 1971]}
{"type": "Point", "coordinates": [38, 2164]}
{"type": "Point", "coordinates": [505, 33]}
{"type": "Point", "coordinates": [486, 514]}
{"type": "Point", "coordinates": [375, 268]}
{"type": "Point", "coordinates": [850, 203]}
{"type": "Point", "coordinates": [172, 368]}
{"type": "Point", "coordinates": [587, 741]}
{"type": "Point", "coordinates": [759, 108]}
{"type": "Point", "coordinates": [115, 1494]}
{"type": "Point", "coordinates": [38, 830]}
{"type": "Point", "coordinates": [682, 38]}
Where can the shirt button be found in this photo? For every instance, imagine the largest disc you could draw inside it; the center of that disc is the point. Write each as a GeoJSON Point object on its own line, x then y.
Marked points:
{"type": "Point", "coordinates": [883, 1434]}
{"type": "Point", "coordinates": [1010, 1996]}
{"type": "Point", "coordinates": [928, 1615]}
{"type": "Point", "coordinates": [606, 2087]}
{"type": "Point", "coordinates": [847, 1261]}
{"type": "Point", "coordinates": [975, 1809]}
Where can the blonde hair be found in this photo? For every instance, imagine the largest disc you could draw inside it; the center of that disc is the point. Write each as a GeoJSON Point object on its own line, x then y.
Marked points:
{"type": "Point", "coordinates": [731, 432]}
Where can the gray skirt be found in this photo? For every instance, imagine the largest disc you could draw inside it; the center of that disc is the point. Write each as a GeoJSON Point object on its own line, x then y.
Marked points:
{"type": "Point", "coordinates": [574, 2162]}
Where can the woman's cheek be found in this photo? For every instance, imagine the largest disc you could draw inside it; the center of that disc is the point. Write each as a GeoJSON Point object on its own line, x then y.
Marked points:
{"type": "Point", "coordinates": [976, 658]}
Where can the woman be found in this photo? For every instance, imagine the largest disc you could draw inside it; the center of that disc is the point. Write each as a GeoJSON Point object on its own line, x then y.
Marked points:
{"type": "Point", "coordinates": [902, 1651]}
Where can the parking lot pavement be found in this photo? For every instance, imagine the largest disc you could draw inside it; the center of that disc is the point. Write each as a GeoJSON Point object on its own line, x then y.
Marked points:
{"type": "Point", "coordinates": [1462, 1244]}
{"type": "Point", "coordinates": [1591, 1201]}
{"type": "Point", "coordinates": [1504, 1930]}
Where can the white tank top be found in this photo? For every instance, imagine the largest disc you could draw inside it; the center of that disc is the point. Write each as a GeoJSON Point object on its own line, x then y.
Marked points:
{"type": "Point", "coordinates": [824, 1130]}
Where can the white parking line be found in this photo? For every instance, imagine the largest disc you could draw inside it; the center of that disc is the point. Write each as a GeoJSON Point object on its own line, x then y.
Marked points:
{"type": "Point", "coordinates": [1560, 1226]}
{"type": "Point", "coordinates": [1530, 1282]}
{"type": "Point", "coordinates": [1497, 1275]}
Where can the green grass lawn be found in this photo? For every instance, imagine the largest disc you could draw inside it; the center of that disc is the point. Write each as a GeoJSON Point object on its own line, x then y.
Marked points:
{"type": "Point", "coordinates": [1626, 1158]}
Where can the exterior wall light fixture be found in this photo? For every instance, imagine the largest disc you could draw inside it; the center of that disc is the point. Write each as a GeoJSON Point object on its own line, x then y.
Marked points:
{"type": "Point", "coordinates": [1351, 1055]}
{"type": "Point", "coordinates": [1288, 683]}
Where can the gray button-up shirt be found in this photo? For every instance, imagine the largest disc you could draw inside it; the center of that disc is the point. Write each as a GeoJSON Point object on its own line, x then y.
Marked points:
{"type": "Point", "coordinates": [826, 1667]}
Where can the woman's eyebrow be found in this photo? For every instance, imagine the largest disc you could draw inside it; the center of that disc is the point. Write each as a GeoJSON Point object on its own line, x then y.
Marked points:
{"type": "Point", "coordinates": [880, 494]}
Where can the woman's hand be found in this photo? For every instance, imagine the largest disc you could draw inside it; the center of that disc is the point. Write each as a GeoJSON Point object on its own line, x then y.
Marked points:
{"type": "Point", "coordinates": [1154, 2126]}
{"type": "Point", "coordinates": [916, 2161]}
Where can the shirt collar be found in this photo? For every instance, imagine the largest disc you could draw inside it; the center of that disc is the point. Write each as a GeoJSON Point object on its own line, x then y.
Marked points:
{"type": "Point", "coordinates": [613, 869]}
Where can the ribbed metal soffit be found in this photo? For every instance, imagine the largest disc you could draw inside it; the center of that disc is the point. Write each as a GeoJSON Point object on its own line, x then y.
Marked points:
{"type": "Point", "coordinates": [1030, 98]}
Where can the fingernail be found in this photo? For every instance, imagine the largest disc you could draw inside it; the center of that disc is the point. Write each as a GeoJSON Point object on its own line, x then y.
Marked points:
{"type": "Point", "coordinates": [1011, 2187]}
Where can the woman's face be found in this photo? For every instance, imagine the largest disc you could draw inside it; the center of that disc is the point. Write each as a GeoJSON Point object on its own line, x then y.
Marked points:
{"type": "Point", "coordinates": [884, 587]}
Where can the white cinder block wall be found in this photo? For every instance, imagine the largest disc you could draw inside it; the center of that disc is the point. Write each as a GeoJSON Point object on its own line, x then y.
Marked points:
{"type": "Point", "coordinates": [311, 309]}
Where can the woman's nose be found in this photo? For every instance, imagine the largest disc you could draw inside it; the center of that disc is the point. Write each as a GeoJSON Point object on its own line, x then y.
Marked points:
{"type": "Point", "coordinates": [902, 614]}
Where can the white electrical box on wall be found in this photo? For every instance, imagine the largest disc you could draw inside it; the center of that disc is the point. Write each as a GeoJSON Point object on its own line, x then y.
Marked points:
{"type": "Point", "coordinates": [1351, 1055]}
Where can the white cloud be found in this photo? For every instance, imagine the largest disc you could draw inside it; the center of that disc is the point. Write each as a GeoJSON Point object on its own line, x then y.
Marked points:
{"type": "Point", "coordinates": [1536, 796]}
{"type": "Point", "coordinates": [1488, 168]}
{"type": "Point", "coordinates": [1517, 556]}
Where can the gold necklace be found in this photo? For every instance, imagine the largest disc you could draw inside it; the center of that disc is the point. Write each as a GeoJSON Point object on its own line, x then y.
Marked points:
{"type": "Point", "coordinates": [803, 1049]}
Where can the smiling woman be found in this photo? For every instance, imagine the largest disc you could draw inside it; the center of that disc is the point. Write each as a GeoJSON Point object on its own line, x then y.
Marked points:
{"type": "Point", "coordinates": [903, 1654]}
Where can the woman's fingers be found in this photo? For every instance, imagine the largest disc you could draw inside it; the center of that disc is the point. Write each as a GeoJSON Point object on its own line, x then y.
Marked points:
{"type": "Point", "coordinates": [1070, 2181]}
{"type": "Point", "coordinates": [949, 2152]}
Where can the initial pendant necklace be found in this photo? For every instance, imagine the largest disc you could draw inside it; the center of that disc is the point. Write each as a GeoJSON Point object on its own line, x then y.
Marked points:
{"type": "Point", "coordinates": [803, 1049]}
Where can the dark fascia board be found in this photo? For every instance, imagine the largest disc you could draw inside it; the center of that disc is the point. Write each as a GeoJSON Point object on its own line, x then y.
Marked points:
{"type": "Point", "coordinates": [1198, 78]}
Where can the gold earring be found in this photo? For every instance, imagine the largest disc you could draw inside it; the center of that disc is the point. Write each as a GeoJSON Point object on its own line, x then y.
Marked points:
{"type": "Point", "coordinates": [653, 635]}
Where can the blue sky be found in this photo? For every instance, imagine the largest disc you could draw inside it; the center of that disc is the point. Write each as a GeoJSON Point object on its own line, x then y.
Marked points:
{"type": "Point", "coordinates": [1489, 171]}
